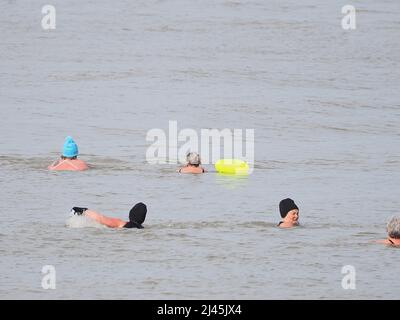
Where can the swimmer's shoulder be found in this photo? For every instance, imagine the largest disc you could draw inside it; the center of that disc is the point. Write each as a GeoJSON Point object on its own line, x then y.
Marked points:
{"type": "Point", "coordinates": [82, 165]}
{"type": "Point", "coordinates": [192, 170]}
{"type": "Point", "coordinates": [69, 165]}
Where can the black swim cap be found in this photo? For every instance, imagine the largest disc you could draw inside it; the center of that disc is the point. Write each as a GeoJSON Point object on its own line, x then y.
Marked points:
{"type": "Point", "coordinates": [138, 213]}
{"type": "Point", "coordinates": [133, 224]}
{"type": "Point", "coordinates": [286, 205]}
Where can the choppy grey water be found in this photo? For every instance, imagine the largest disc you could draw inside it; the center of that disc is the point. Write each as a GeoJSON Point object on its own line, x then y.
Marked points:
{"type": "Point", "coordinates": [324, 103]}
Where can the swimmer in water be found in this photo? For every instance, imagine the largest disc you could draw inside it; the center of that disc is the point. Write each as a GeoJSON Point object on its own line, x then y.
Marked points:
{"type": "Point", "coordinates": [289, 213]}
{"type": "Point", "coordinates": [137, 215]}
{"type": "Point", "coordinates": [193, 164]}
{"type": "Point", "coordinates": [69, 159]}
{"type": "Point", "coordinates": [393, 230]}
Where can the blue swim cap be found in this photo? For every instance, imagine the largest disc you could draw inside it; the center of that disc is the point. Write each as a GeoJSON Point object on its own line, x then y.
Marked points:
{"type": "Point", "coordinates": [70, 148]}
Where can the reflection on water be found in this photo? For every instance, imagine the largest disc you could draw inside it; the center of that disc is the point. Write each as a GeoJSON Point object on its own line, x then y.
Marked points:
{"type": "Point", "coordinates": [230, 181]}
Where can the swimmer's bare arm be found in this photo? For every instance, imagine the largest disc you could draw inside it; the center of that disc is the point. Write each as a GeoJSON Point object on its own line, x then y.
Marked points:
{"type": "Point", "coordinates": [54, 164]}
{"type": "Point", "coordinates": [102, 219]}
{"type": "Point", "coordinates": [383, 241]}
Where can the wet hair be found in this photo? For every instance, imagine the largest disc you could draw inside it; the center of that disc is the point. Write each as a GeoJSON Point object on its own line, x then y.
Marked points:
{"type": "Point", "coordinates": [393, 228]}
{"type": "Point", "coordinates": [65, 158]}
{"type": "Point", "coordinates": [193, 159]}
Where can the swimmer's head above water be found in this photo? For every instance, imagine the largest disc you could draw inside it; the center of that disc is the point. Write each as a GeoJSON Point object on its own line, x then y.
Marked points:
{"type": "Point", "coordinates": [289, 213]}
{"type": "Point", "coordinates": [69, 158]}
{"type": "Point", "coordinates": [70, 149]}
{"type": "Point", "coordinates": [193, 159]}
{"type": "Point", "coordinates": [393, 230]}
{"type": "Point", "coordinates": [193, 164]}
{"type": "Point", "coordinates": [393, 233]}
{"type": "Point", "coordinates": [137, 215]}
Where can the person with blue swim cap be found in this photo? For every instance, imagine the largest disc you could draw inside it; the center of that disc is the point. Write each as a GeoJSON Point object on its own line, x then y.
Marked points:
{"type": "Point", "coordinates": [70, 149]}
{"type": "Point", "coordinates": [69, 158]}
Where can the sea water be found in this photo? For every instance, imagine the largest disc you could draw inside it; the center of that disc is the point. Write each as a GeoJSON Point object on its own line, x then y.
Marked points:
{"type": "Point", "coordinates": [324, 106]}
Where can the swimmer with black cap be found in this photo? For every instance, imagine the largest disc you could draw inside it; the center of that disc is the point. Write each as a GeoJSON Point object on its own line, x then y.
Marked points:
{"type": "Point", "coordinates": [289, 213]}
{"type": "Point", "coordinates": [137, 215]}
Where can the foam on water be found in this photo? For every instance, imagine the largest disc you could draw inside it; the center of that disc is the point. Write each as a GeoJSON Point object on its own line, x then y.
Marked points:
{"type": "Point", "coordinates": [75, 221]}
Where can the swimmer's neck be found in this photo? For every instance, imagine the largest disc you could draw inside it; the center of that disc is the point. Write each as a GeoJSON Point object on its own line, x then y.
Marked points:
{"type": "Point", "coordinates": [394, 241]}
{"type": "Point", "coordinates": [285, 224]}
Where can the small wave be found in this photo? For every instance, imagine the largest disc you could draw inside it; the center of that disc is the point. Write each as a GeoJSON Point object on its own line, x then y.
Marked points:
{"type": "Point", "coordinates": [191, 225]}
{"type": "Point", "coordinates": [257, 224]}
{"type": "Point", "coordinates": [94, 75]}
{"type": "Point", "coordinates": [27, 162]}
{"type": "Point", "coordinates": [94, 162]}
{"type": "Point", "coordinates": [165, 28]}
{"type": "Point", "coordinates": [212, 225]}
